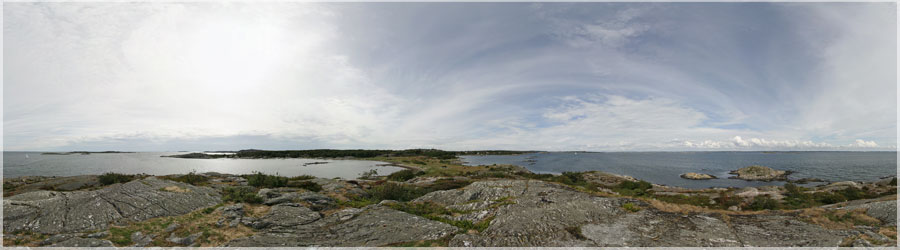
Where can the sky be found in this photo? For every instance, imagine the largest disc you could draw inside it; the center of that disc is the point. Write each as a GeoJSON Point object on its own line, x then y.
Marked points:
{"type": "Point", "coordinates": [453, 76]}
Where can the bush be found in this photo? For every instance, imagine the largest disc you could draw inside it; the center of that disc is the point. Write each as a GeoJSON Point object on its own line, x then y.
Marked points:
{"type": "Point", "coordinates": [120, 236]}
{"type": "Point", "coordinates": [893, 181]}
{"type": "Point", "coordinates": [630, 207]}
{"type": "Point", "coordinates": [302, 177]}
{"type": "Point", "coordinates": [724, 201]}
{"type": "Point", "coordinates": [394, 191]}
{"type": "Point", "coordinates": [112, 178]}
{"type": "Point", "coordinates": [258, 179]}
{"type": "Point", "coordinates": [762, 203]}
{"type": "Point", "coordinates": [447, 184]}
{"type": "Point", "coordinates": [308, 185]}
{"type": "Point", "coordinates": [631, 188]}
{"type": "Point", "coordinates": [241, 195]}
{"type": "Point", "coordinates": [191, 178]}
{"type": "Point", "coordinates": [404, 175]}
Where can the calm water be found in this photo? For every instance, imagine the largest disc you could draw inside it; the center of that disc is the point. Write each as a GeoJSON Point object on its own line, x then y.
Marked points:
{"type": "Point", "coordinates": [17, 164]}
{"type": "Point", "coordinates": [665, 167]}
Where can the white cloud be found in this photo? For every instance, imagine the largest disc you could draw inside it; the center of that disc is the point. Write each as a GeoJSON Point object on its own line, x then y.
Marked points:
{"type": "Point", "coordinates": [551, 77]}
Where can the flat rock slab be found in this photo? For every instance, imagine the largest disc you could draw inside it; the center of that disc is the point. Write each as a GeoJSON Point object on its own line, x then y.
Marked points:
{"type": "Point", "coordinates": [371, 226]}
{"type": "Point", "coordinates": [51, 212]}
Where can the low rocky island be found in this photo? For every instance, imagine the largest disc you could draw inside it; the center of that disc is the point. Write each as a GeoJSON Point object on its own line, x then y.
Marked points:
{"type": "Point", "coordinates": [441, 203]}
{"type": "Point", "coordinates": [759, 173]}
{"type": "Point", "coordinates": [697, 176]}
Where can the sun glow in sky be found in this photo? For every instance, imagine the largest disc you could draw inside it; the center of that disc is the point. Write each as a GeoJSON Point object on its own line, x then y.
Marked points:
{"type": "Point", "coordinates": [456, 76]}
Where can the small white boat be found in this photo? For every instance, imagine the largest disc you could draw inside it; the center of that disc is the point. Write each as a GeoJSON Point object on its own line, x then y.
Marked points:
{"type": "Point", "coordinates": [26, 156]}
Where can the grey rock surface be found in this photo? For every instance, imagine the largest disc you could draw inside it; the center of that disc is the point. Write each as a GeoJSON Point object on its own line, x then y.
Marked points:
{"type": "Point", "coordinates": [52, 212]}
{"type": "Point", "coordinates": [83, 242]}
{"type": "Point", "coordinates": [282, 198]}
{"type": "Point", "coordinates": [186, 241]}
{"type": "Point", "coordinates": [317, 201]}
{"type": "Point", "coordinates": [534, 213]}
{"type": "Point", "coordinates": [290, 214]}
{"type": "Point", "coordinates": [885, 211]}
{"type": "Point", "coordinates": [371, 226]}
{"type": "Point", "coordinates": [140, 239]}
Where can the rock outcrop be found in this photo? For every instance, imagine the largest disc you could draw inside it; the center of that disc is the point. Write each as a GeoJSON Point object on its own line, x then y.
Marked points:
{"type": "Point", "coordinates": [759, 173]}
{"type": "Point", "coordinates": [697, 176]}
{"type": "Point", "coordinates": [371, 226]}
{"type": "Point", "coordinates": [535, 213]}
{"type": "Point", "coordinates": [51, 212]}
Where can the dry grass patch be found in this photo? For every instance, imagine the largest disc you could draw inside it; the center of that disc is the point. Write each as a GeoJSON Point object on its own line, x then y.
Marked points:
{"type": "Point", "coordinates": [176, 189]}
{"type": "Point", "coordinates": [202, 220]}
{"type": "Point", "coordinates": [256, 210]}
{"type": "Point", "coordinates": [890, 232]}
{"type": "Point", "coordinates": [26, 238]}
{"type": "Point", "coordinates": [689, 209]}
{"type": "Point", "coordinates": [837, 219]}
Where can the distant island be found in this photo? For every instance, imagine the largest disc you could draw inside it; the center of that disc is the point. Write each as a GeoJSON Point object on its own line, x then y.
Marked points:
{"type": "Point", "coordinates": [85, 152]}
{"type": "Point", "coordinates": [342, 153]}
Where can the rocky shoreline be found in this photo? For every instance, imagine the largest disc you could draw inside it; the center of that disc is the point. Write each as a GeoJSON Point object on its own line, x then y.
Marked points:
{"type": "Point", "coordinates": [452, 211]}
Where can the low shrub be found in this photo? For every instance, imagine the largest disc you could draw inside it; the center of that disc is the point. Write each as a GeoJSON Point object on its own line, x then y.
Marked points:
{"type": "Point", "coordinates": [241, 195]}
{"type": "Point", "coordinates": [696, 200]}
{"type": "Point", "coordinates": [258, 179]}
{"type": "Point", "coordinates": [631, 207]}
{"type": "Point", "coordinates": [762, 203]}
{"type": "Point", "coordinates": [302, 178]}
{"type": "Point", "coordinates": [394, 191]}
{"type": "Point", "coordinates": [308, 185]}
{"type": "Point", "coordinates": [191, 178]}
{"type": "Point", "coordinates": [120, 236]}
{"type": "Point", "coordinates": [112, 178]}
{"type": "Point", "coordinates": [404, 175]}
{"type": "Point", "coordinates": [632, 188]}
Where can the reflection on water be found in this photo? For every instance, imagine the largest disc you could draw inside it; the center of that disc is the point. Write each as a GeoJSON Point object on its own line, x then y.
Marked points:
{"type": "Point", "coordinates": [34, 163]}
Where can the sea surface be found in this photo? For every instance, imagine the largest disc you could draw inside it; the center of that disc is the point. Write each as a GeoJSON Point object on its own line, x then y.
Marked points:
{"type": "Point", "coordinates": [665, 167]}
{"type": "Point", "coordinates": [34, 163]}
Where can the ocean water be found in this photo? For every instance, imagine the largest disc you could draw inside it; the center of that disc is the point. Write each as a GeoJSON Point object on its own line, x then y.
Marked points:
{"type": "Point", "coordinates": [665, 167]}
{"type": "Point", "coordinates": [34, 163]}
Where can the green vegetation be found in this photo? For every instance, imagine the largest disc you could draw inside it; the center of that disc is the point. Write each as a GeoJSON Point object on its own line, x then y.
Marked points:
{"type": "Point", "coordinates": [113, 178]}
{"type": "Point", "coordinates": [402, 192]}
{"type": "Point", "coordinates": [696, 200]}
{"type": "Point", "coordinates": [190, 178]}
{"type": "Point", "coordinates": [762, 202]}
{"type": "Point", "coordinates": [798, 197]}
{"type": "Point", "coordinates": [241, 194]}
{"type": "Point", "coordinates": [893, 181]}
{"type": "Point", "coordinates": [258, 179]}
{"type": "Point", "coordinates": [120, 236]}
{"type": "Point", "coordinates": [631, 188]}
{"type": "Point", "coordinates": [404, 175]}
{"type": "Point", "coordinates": [436, 212]}
{"type": "Point", "coordinates": [302, 178]}
{"type": "Point", "coordinates": [724, 201]}
{"type": "Point", "coordinates": [209, 210]}
{"type": "Point", "coordinates": [308, 185]}
{"type": "Point", "coordinates": [631, 207]}
{"type": "Point", "coordinates": [394, 191]}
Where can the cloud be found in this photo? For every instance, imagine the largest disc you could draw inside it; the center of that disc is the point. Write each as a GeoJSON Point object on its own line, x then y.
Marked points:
{"type": "Point", "coordinates": [548, 76]}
